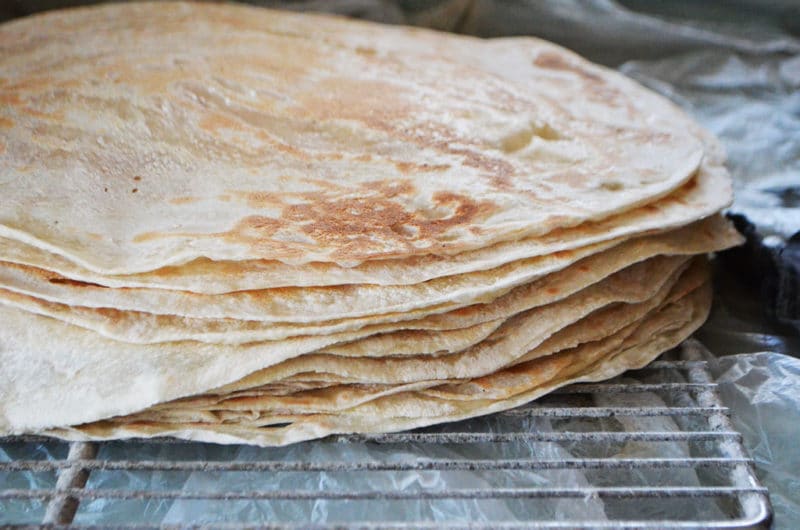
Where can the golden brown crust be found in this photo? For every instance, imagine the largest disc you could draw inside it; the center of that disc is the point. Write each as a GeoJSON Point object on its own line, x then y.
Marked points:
{"type": "Point", "coordinates": [175, 131]}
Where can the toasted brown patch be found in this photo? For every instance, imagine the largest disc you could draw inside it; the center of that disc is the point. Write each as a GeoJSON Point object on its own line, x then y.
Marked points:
{"type": "Point", "coordinates": [555, 61]}
{"type": "Point", "coordinates": [410, 167]}
{"type": "Point", "coordinates": [359, 226]}
{"type": "Point", "coordinates": [184, 200]}
{"type": "Point", "coordinates": [75, 283]}
{"type": "Point", "coordinates": [10, 98]}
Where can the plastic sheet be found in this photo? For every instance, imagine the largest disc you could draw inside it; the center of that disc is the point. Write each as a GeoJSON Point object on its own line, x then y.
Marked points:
{"type": "Point", "coordinates": [764, 391]}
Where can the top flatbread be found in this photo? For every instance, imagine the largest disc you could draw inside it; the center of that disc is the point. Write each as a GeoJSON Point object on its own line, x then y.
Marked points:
{"type": "Point", "coordinates": [153, 134]}
{"type": "Point", "coordinates": [705, 194]}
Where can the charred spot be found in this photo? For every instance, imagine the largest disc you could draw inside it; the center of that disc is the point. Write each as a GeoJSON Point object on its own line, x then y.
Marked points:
{"type": "Point", "coordinates": [276, 425]}
{"type": "Point", "coordinates": [74, 283]}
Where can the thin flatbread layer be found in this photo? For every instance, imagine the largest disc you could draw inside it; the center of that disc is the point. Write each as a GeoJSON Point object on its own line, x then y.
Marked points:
{"type": "Point", "coordinates": [519, 334]}
{"type": "Point", "coordinates": [169, 132]}
{"type": "Point", "coordinates": [55, 372]}
{"type": "Point", "coordinates": [133, 315]}
{"type": "Point", "coordinates": [275, 397]}
{"type": "Point", "coordinates": [446, 331]}
{"type": "Point", "coordinates": [709, 192]}
{"type": "Point", "coordinates": [589, 362]}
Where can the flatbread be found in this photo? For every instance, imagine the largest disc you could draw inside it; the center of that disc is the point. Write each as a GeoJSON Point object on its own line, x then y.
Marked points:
{"type": "Point", "coordinates": [132, 315]}
{"type": "Point", "coordinates": [628, 349]}
{"type": "Point", "coordinates": [704, 195]}
{"type": "Point", "coordinates": [316, 397]}
{"type": "Point", "coordinates": [162, 133]}
{"type": "Point", "coordinates": [57, 374]}
{"type": "Point", "coordinates": [519, 334]}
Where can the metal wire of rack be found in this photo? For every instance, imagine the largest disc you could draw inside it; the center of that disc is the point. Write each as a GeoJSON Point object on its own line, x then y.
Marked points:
{"type": "Point", "coordinates": [601, 430]}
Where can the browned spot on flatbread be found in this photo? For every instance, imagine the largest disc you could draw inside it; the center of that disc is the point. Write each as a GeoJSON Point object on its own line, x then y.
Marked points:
{"type": "Point", "coordinates": [144, 237]}
{"type": "Point", "coordinates": [74, 283]}
{"type": "Point", "coordinates": [259, 199]}
{"type": "Point", "coordinates": [213, 121]}
{"type": "Point", "coordinates": [6, 123]}
{"type": "Point", "coordinates": [368, 220]}
{"type": "Point", "coordinates": [36, 113]}
{"type": "Point", "coordinates": [256, 226]}
{"type": "Point", "coordinates": [554, 61]}
{"type": "Point", "coordinates": [364, 50]}
{"type": "Point", "coordinates": [184, 200]}
{"type": "Point", "coordinates": [385, 106]}
{"type": "Point", "coordinates": [496, 170]}
{"type": "Point", "coordinates": [258, 233]}
{"type": "Point", "coordinates": [10, 98]}
{"type": "Point", "coordinates": [410, 167]}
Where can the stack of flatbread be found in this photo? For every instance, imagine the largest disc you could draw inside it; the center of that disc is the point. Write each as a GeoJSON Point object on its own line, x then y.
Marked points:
{"type": "Point", "coordinates": [231, 224]}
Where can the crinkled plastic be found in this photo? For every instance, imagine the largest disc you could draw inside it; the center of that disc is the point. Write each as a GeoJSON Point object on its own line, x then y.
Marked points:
{"type": "Point", "coordinates": [763, 390]}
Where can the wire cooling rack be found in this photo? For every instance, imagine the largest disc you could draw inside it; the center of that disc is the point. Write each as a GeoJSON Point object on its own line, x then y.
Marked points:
{"type": "Point", "coordinates": [654, 449]}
